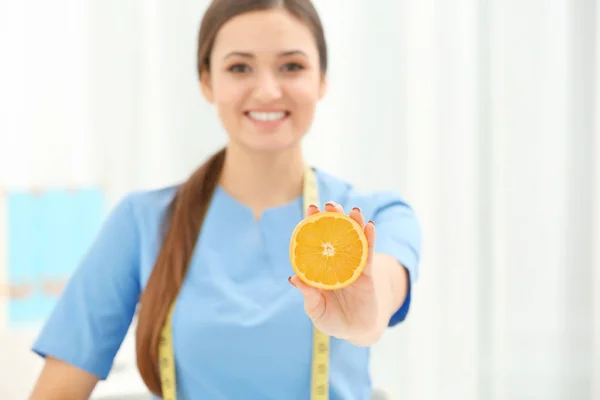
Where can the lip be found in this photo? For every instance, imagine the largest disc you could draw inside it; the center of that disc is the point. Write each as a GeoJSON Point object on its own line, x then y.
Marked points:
{"type": "Point", "coordinates": [267, 125]}
{"type": "Point", "coordinates": [266, 110]}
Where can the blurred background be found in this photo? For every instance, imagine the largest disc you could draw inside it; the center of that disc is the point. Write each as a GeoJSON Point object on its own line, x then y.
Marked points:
{"type": "Point", "coordinates": [484, 114]}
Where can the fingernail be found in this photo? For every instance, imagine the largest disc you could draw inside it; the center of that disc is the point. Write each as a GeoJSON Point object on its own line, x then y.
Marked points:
{"type": "Point", "coordinates": [372, 223]}
{"type": "Point", "coordinates": [290, 281]}
{"type": "Point", "coordinates": [330, 203]}
{"type": "Point", "coordinates": [356, 209]}
{"type": "Point", "coordinates": [313, 206]}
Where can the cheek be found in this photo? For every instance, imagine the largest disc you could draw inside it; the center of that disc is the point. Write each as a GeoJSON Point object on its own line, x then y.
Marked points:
{"type": "Point", "coordinates": [304, 92]}
{"type": "Point", "coordinates": [229, 95]}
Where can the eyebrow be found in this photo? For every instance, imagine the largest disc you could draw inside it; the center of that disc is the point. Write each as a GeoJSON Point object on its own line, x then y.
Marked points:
{"type": "Point", "coordinates": [250, 55]}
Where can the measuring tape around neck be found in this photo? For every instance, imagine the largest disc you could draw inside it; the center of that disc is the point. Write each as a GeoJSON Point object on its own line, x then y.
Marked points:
{"type": "Point", "coordinates": [320, 354]}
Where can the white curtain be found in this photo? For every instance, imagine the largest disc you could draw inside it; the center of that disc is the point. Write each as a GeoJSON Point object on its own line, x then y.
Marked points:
{"type": "Point", "coordinates": [483, 113]}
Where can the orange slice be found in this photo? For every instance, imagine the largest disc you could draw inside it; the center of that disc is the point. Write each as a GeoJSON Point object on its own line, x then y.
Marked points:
{"type": "Point", "coordinates": [328, 250]}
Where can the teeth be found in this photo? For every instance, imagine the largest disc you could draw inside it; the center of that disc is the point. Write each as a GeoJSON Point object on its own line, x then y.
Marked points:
{"type": "Point", "coordinates": [266, 116]}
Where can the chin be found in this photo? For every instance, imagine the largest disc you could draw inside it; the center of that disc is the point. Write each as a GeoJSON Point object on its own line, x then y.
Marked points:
{"type": "Point", "coordinates": [271, 145]}
{"type": "Point", "coordinates": [274, 140]}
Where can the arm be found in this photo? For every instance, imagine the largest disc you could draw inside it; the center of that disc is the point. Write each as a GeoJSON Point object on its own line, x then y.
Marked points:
{"type": "Point", "coordinates": [59, 380]}
{"type": "Point", "coordinates": [391, 285]}
{"type": "Point", "coordinates": [395, 262]}
{"type": "Point", "coordinates": [86, 328]}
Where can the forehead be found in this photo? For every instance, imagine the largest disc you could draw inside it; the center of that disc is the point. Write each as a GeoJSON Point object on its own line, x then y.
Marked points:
{"type": "Point", "coordinates": [264, 31]}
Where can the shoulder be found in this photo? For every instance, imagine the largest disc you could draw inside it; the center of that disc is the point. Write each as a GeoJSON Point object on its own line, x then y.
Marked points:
{"type": "Point", "coordinates": [370, 202]}
{"type": "Point", "coordinates": [147, 205]}
{"type": "Point", "coordinates": [397, 225]}
{"type": "Point", "coordinates": [150, 200]}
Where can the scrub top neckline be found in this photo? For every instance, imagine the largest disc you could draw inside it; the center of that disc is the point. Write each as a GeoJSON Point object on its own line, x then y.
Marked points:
{"type": "Point", "coordinates": [221, 195]}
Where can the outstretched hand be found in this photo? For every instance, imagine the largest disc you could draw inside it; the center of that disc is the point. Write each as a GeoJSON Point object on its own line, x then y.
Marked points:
{"type": "Point", "coordinates": [349, 312]}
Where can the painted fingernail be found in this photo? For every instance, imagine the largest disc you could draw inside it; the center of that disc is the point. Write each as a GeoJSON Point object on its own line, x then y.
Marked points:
{"type": "Point", "coordinates": [356, 209]}
{"type": "Point", "coordinates": [290, 281]}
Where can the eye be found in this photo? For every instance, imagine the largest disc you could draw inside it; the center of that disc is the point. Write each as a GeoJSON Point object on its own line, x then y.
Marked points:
{"type": "Point", "coordinates": [239, 68]}
{"type": "Point", "coordinates": [292, 67]}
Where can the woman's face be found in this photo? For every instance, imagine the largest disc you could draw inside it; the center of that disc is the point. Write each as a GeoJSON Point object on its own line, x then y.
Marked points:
{"type": "Point", "coordinates": [265, 79]}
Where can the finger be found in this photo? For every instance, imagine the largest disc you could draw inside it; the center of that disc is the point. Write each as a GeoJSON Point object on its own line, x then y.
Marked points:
{"type": "Point", "coordinates": [314, 302]}
{"type": "Point", "coordinates": [332, 206]}
{"type": "Point", "coordinates": [312, 210]}
{"type": "Point", "coordinates": [358, 216]}
{"type": "Point", "coordinates": [370, 233]}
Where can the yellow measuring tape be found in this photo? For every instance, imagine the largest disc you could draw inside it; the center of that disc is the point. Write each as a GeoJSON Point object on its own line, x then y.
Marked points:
{"type": "Point", "coordinates": [320, 353]}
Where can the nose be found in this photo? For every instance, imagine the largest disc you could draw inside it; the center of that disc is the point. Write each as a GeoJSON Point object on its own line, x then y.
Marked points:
{"type": "Point", "coordinates": [268, 88]}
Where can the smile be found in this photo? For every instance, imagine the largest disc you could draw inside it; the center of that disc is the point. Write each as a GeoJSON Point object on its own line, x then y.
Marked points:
{"type": "Point", "coordinates": [267, 116]}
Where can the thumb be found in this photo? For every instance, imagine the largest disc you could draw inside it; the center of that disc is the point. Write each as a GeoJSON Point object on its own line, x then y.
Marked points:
{"type": "Point", "coordinates": [314, 301]}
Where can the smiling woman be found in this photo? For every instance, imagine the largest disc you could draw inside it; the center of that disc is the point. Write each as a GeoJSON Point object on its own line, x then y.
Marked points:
{"type": "Point", "coordinates": [208, 260]}
{"type": "Point", "coordinates": [272, 87]}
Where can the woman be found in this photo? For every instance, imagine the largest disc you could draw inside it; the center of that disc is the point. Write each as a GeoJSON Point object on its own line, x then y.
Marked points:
{"type": "Point", "coordinates": [219, 243]}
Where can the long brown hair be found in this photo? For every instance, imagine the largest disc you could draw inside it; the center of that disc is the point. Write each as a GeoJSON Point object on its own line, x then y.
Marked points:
{"type": "Point", "coordinates": [188, 208]}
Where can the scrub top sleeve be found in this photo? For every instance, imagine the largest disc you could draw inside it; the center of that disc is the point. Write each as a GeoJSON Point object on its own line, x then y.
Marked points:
{"type": "Point", "coordinates": [92, 316]}
{"type": "Point", "coordinates": [398, 234]}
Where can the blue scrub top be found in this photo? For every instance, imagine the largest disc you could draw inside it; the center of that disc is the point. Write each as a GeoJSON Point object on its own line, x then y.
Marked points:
{"type": "Point", "coordinates": [240, 330]}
